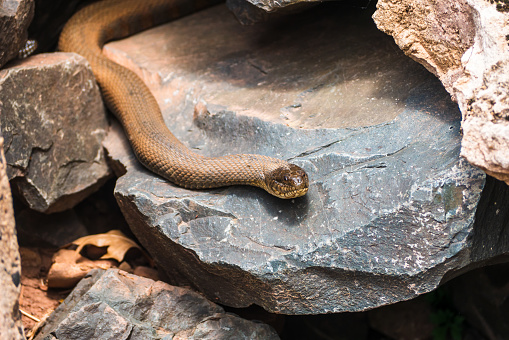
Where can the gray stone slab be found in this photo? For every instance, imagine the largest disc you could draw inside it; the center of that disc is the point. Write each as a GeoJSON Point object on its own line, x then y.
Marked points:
{"type": "Point", "coordinates": [391, 205]}
{"type": "Point", "coordinates": [116, 305]}
{"type": "Point", "coordinates": [53, 122]}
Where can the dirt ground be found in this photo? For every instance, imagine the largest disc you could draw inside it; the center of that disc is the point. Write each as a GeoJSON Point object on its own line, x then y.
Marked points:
{"type": "Point", "coordinates": [35, 298]}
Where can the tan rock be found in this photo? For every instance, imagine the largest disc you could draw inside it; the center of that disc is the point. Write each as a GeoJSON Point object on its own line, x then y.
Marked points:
{"type": "Point", "coordinates": [465, 44]}
{"type": "Point", "coordinates": [10, 264]}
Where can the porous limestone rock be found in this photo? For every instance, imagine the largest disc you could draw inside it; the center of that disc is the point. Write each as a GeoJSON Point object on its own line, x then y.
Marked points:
{"type": "Point", "coordinates": [53, 122]}
{"type": "Point", "coordinates": [113, 305]}
{"type": "Point", "coordinates": [15, 16]}
{"type": "Point", "coordinates": [466, 45]}
{"type": "Point", "coordinates": [391, 205]}
{"type": "Point", "coordinates": [10, 262]}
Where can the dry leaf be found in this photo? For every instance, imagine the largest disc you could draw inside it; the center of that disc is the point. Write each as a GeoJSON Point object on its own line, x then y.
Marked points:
{"type": "Point", "coordinates": [116, 242]}
{"type": "Point", "coordinates": [69, 266]}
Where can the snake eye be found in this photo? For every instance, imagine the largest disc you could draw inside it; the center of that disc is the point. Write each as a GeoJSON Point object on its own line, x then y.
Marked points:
{"type": "Point", "coordinates": [286, 178]}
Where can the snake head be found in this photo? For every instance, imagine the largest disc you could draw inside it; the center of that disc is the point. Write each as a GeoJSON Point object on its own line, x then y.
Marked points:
{"type": "Point", "coordinates": [287, 182]}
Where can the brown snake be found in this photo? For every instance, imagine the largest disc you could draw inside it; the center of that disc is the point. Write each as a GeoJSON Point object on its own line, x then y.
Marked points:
{"type": "Point", "coordinates": [127, 96]}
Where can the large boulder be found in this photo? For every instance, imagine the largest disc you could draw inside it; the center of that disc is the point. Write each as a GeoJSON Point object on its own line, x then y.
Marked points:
{"type": "Point", "coordinates": [465, 44]}
{"type": "Point", "coordinates": [53, 122]}
{"type": "Point", "coordinates": [391, 206]}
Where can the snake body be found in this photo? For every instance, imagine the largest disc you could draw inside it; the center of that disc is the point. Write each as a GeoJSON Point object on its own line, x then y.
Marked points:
{"type": "Point", "coordinates": [127, 96]}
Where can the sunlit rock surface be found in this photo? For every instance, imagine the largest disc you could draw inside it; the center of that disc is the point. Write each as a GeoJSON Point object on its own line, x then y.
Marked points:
{"type": "Point", "coordinates": [391, 205]}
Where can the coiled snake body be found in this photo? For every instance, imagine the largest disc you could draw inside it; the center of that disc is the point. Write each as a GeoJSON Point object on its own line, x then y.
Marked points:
{"type": "Point", "coordinates": [127, 96]}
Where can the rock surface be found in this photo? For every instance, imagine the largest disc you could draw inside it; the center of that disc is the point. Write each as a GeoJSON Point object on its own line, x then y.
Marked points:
{"type": "Point", "coordinates": [271, 5]}
{"type": "Point", "coordinates": [249, 12]}
{"type": "Point", "coordinates": [10, 262]}
{"type": "Point", "coordinates": [113, 304]}
{"type": "Point", "coordinates": [391, 204]}
{"type": "Point", "coordinates": [465, 44]}
{"type": "Point", "coordinates": [15, 16]}
{"type": "Point", "coordinates": [53, 122]}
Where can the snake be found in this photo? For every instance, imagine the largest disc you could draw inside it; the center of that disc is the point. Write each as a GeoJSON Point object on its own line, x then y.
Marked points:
{"type": "Point", "coordinates": [130, 100]}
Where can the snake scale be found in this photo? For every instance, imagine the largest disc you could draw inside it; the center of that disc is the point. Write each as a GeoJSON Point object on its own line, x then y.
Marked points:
{"type": "Point", "coordinates": [127, 96]}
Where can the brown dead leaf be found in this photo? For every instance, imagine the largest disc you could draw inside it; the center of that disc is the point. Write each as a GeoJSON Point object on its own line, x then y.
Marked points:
{"type": "Point", "coordinates": [69, 267]}
{"type": "Point", "coordinates": [115, 241]}
{"type": "Point", "coordinates": [102, 251]}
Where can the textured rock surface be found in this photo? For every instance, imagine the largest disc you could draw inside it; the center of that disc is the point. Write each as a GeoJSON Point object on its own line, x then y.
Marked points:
{"type": "Point", "coordinates": [391, 204]}
{"type": "Point", "coordinates": [10, 263]}
{"type": "Point", "coordinates": [53, 122]}
{"type": "Point", "coordinates": [113, 304]}
{"type": "Point", "coordinates": [15, 16]}
{"type": "Point", "coordinates": [249, 12]}
{"type": "Point", "coordinates": [465, 43]}
{"type": "Point", "coordinates": [271, 5]}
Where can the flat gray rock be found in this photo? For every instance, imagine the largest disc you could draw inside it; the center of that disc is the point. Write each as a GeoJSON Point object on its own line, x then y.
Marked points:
{"type": "Point", "coordinates": [391, 205]}
{"type": "Point", "coordinates": [53, 121]}
{"type": "Point", "coordinates": [116, 305]}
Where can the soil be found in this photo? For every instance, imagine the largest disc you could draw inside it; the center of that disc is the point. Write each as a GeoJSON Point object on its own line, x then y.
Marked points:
{"type": "Point", "coordinates": [36, 299]}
